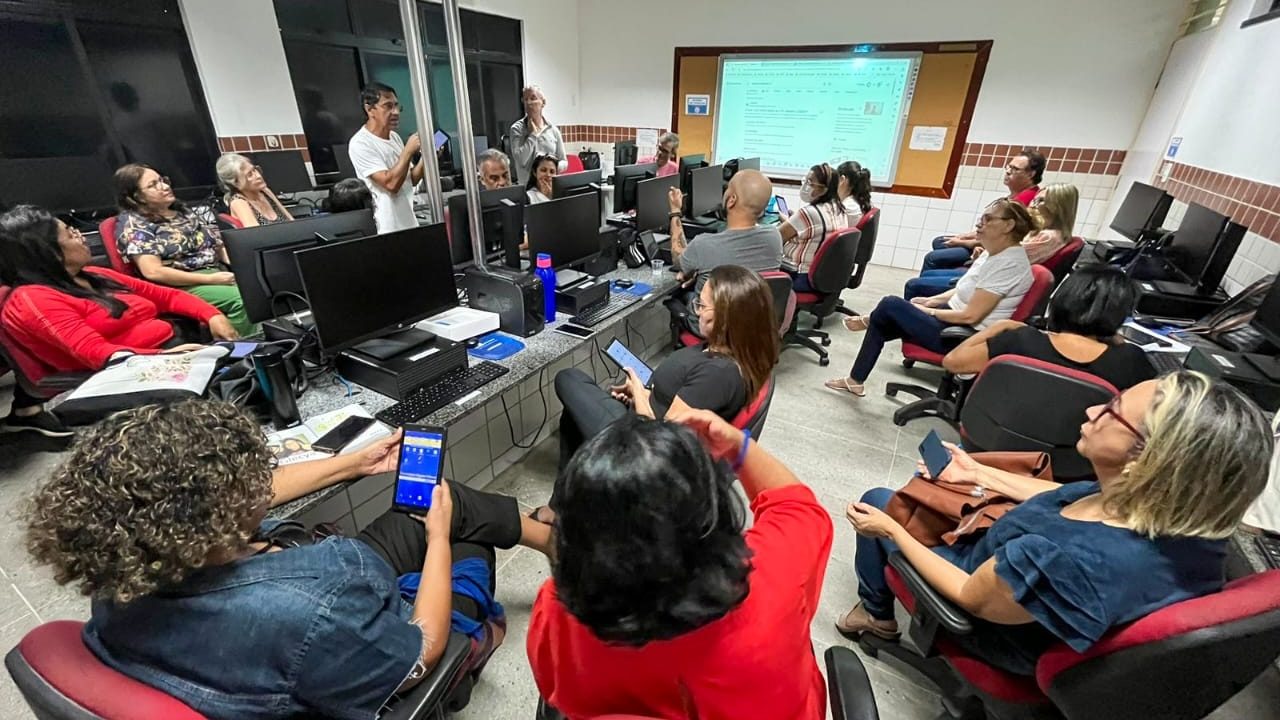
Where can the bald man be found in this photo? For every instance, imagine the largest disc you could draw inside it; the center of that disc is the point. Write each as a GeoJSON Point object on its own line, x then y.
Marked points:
{"type": "Point", "coordinates": [742, 242]}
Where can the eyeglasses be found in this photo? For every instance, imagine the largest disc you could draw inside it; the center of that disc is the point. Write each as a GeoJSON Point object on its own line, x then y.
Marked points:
{"type": "Point", "coordinates": [1110, 409]}
{"type": "Point", "coordinates": [162, 180]}
{"type": "Point", "coordinates": [391, 107]}
{"type": "Point", "coordinates": [253, 170]}
{"type": "Point", "coordinates": [1014, 168]}
{"type": "Point", "coordinates": [988, 217]}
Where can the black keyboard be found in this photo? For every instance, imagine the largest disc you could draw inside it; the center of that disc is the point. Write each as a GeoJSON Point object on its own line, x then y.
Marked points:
{"type": "Point", "coordinates": [1166, 362]}
{"type": "Point", "coordinates": [600, 312]}
{"type": "Point", "coordinates": [446, 389]}
{"type": "Point", "coordinates": [1269, 546]}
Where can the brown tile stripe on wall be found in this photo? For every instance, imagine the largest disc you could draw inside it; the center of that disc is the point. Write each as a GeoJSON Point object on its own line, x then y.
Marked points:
{"type": "Point", "coordinates": [1254, 204]}
{"type": "Point", "coordinates": [258, 143]}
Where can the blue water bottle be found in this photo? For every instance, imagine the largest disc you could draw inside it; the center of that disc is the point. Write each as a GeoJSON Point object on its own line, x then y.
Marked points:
{"type": "Point", "coordinates": [548, 277]}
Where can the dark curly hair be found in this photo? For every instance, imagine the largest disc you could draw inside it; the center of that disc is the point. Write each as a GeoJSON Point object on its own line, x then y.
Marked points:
{"type": "Point", "coordinates": [649, 541]}
{"type": "Point", "coordinates": [148, 496]}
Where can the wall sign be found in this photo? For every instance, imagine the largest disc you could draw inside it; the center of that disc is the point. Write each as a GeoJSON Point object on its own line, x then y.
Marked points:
{"type": "Point", "coordinates": [697, 105]}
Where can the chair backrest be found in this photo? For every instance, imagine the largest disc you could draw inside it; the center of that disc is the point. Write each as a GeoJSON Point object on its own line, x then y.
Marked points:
{"type": "Point", "coordinates": [1061, 262]}
{"type": "Point", "coordinates": [833, 262]}
{"type": "Point", "coordinates": [61, 679]}
{"type": "Point", "coordinates": [752, 416]}
{"type": "Point", "coordinates": [1037, 298]}
{"type": "Point", "coordinates": [27, 368]}
{"type": "Point", "coordinates": [111, 244]}
{"type": "Point", "coordinates": [869, 224]}
{"type": "Point", "coordinates": [1179, 662]}
{"type": "Point", "coordinates": [231, 220]}
{"type": "Point", "coordinates": [782, 288]}
{"type": "Point", "coordinates": [575, 164]}
{"type": "Point", "coordinates": [1020, 403]}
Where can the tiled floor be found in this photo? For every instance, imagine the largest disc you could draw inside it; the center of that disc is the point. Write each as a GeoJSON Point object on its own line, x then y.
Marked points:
{"type": "Point", "coordinates": [841, 446]}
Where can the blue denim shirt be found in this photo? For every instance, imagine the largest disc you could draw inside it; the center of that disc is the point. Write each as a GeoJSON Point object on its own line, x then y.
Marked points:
{"type": "Point", "coordinates": [312, 630]}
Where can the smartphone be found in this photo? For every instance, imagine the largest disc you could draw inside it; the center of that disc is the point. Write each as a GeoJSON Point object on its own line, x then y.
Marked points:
{"type": "Point", "coordinates": [440, 139]}
{"type": "Point", "coordinates": [575, 331]}
{"type": "Point", "coordinates": [1137, 337]}
{"type": "Point", "coordinates": [419, 468]}
{"type": "Point", "coordinates": [342, 435]}
{"type": "Point", "coordinates": [781, 205]}
{"type": "Point", "coordinates": [619, 353]}
{"type": "Point", "coordinates": [936, 457]}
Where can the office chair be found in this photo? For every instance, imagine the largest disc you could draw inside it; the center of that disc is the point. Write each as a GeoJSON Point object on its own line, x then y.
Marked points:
{"type": "Point", "coordinates": [61, 679]}
{"type": "Point", "coordinates": [945, 401]}
{"type": "Point", "coordinates": [869, 224]}
{"type": "Point", "coordinates": [848, 691]}
{"type": "Point", "coordinates": [752, 416]}
{"type": "Point", "coordinates": [784, 308]}
{"type": "Point", "coordinates": [574, 164]}
{"type": "Point", "coordinates": [227, 221]}
{"type": "Point", "coordinates": [32, 375]}
{"type": "Point", "coordinates": [829, 275]}
{"type": "Point", "coordinates": [1061, 262]}
{"type": "Point", "coordinates": [111, 244]}
{"type": "Point", "coordinates": [1020, 403]}
{"type": "Point", "coordinates": [1178, 663]}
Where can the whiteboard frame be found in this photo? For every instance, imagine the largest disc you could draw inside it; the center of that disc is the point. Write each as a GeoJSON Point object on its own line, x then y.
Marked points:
{"type": "Point", "coordinates": [916, 57]}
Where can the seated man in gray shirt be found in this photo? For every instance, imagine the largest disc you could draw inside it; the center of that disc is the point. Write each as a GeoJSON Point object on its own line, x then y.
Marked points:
{"type": "Point", "coordinates": [742, 242]}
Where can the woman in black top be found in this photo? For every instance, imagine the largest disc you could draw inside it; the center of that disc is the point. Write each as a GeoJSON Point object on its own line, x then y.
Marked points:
{"type": "Point", "coordinates": [1084, 316]}
{"type": "Point", "coordinates": [723, 375]}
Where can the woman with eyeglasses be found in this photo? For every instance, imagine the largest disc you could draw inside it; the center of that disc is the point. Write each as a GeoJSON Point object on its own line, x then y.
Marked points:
{"type": "Point", "coordinates": [1178, 461]}
{"type": "Point", "coordinates": [73, 317]}
{"type": "Point", "coordinates": [989, 291]}
{"type": "Point", "coordinates": [246, 193]}
{"type": "Point", "coordinates": [171, 245]}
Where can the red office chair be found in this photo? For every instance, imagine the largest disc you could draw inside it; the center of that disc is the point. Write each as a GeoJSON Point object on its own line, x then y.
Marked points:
{"type": "Point", "coordinates": [752, 416]}
{"type": "Point", "coordinates": [38, 379]}
{"type": "Point", "coordinates": [1020, 403]}
{"type": "Point", "coordinates": [848, 690]}
{"type": "Point", "coordinates": [784, 306]}
{"type": "Point", "coordinates": [869, 224]}
{"type": "Point", "coordinates": [575, 164]}
{"type": "Point", "coordinates": [228, 221]}
{"type": "Point", "coordinates": [943, 402]}
{"type": "Point", "coordinates": [829, 275]}
{"type": "Point", "coordinates": [1061, 262]}
{"type": "Point", "coordinates": [1178, 663]}
{"type": "Point", "coordinates": [111, 243]}
{"type": "Point", "coordinates": [61, 679]}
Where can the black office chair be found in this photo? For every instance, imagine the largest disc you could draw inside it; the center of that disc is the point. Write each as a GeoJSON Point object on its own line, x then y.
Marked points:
{"type": "Point", "coordinates": [870, 227]}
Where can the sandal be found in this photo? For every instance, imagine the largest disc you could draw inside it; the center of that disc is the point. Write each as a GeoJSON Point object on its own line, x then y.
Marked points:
{"type": "Point", "coordinates": [857, 323]}
{"type": "Point", "coordinates": [858, 620]}
{"type": "Point", "coordinates": [844, 384]}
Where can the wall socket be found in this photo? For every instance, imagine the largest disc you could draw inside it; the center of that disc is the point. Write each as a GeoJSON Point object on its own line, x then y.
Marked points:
{"type": "Point", "coordinates": [273, 142]}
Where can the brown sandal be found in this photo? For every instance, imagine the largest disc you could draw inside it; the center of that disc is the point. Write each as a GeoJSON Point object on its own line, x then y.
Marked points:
{"type": "Point", "coordinates": [844, 384]}
{"type": "Point", "coordinates": [858, 620]}
{"type": "Point", "coordinates": [857, 323]}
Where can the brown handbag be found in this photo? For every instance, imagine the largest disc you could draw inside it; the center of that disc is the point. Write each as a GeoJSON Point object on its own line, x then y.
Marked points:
{"type": "Point", "coordinates": [937, 513]}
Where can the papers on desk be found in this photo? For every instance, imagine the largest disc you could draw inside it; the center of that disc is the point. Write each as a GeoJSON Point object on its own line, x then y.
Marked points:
{"type": "Point", "coordinates": [293, 445]}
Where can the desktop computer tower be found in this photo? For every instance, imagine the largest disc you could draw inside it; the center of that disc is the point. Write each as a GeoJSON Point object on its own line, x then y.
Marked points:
{"type": "Point", "coordinates": [607, 260]}
{"type": "Point", "coordinates": [399, 376]}
{"type": "Point", "coordinates": [515, 296]}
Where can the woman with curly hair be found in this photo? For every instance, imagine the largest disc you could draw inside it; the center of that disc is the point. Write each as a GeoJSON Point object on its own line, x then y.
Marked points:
{"type": "Point", "coordinates": [194, 594]}
{"type": "Point", "coordinates": [660, 604]}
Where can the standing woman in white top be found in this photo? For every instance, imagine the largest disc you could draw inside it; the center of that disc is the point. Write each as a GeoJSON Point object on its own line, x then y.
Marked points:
{"type": "Point", "coordinates": [802, 233]}
{"type": "Point", "coordinates": [538, 188]}
{"type": "Point", "coordinates": [989, 291]}
{"type": "Point", "coordinates": [385, 162]}
{"type": "Point", "coordinates": [533, 135]}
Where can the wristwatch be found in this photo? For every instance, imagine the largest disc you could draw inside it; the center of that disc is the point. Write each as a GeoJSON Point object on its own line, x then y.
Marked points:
{"type": "Point", "coordinates": [673, 215]}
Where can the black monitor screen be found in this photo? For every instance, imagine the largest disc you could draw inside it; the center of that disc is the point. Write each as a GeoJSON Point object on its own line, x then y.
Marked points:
{"type": "Point", "coordinates": [493, 217]}
{"type": "Point", "coordinates": [262, 257]}
{"type": "Point", "coordinates": [568, 229]}
{"type": "Point", "coordinates": [574, 183]}
{"type": "Point", "coordinates": [1143, 209]}
{"type": "Point", "coordinates": [1195, 239]}
{"type": "Point", "coordinates": [1267, 319]}
{"type": "Point", "coordinates": [652, 206]}
{"type": "Point", "coordinates": [360, 289]}
{"type": "Point", "coordinates": [283, 170]}
{"type": "Point", "coordinates": [625, 178]}
{"type": "Point", "coordinates": [749, 163]}
{"type": "Point", "coordinates": [707, 190]}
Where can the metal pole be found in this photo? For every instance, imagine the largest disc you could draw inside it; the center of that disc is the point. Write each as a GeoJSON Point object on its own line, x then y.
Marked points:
{"type": "Point", "coordinates": [422, 103]}
{"type": "Point", "coordinates": [470, 174]}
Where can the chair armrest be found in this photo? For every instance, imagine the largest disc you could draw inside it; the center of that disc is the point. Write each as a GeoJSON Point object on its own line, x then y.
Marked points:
{"type": "Point", "coordinates": [848, 686]}
{"type": "Point", "coordinates": [928, 602]}
{"type": "Point", "coordinates": [958, 333]}
{"type": "Point", "coordinates": [788, 266]}
{"type": "Point", "coordinates": [426, 696]}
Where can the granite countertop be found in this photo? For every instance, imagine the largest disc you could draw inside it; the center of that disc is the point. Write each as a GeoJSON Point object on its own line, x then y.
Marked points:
{"type": "Point", "coordinates": [327, 393]}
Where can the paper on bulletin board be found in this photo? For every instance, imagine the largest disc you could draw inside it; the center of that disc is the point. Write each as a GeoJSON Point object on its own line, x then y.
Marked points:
{"type": "Point", "coordinates": [646, 138]}
{"type": "Point", "coordinates": [928, 137]}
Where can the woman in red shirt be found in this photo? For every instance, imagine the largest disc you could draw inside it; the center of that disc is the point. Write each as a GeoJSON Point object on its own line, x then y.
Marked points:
{"type": "Point", "coordinates": [73, 317]}
{"type": "Point", "coordinates": [660, 605]}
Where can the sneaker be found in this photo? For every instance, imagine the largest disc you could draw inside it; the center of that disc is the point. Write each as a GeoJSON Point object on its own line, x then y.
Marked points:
{"type": "Point", "coordinates": [43, 422]}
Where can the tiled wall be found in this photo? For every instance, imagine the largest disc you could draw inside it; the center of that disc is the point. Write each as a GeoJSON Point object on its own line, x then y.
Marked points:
{"type": "Point", "coordinates": [261, 143]}
{"type": "Point", "coordinates": [1253, 204]}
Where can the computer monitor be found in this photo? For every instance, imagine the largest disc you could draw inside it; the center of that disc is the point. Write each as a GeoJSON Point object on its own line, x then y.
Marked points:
{"type": "Point", "coordinates": [502, 218]}
{"type": "Point", "coordinates": [1143, 210]}
{"type": "Point", "coordinates": [568, 229]}
{"type": "Point", "coordinates": [688, 164]}
{"type": "Point", "coordinates": [707, 190]}
{"type": "Point", "coordinates": [1202, 247]}
{"type": "Point", "coordinates": [749, 163]}
{"type": "Point", "coordinates": [652, 206]}
{"type": "Point", "coordinates": [262, 257]}
{"type": "Point", "coordinates": [625, 178]}
{"type": "Point", "coordinates": [364, 288]}
{"type": "Point", "coordinates": [575, 183]}
{"type": "Point", "coordinates": [284, 170]}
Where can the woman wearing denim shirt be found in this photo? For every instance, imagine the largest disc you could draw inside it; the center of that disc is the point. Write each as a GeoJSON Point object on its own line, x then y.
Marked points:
{"type": "Point", "coordinates": [191, 597]}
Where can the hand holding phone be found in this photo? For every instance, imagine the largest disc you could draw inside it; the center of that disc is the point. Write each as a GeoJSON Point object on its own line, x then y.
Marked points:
{"type": "Point", "coordinates": [935, 456]}
{"type": "Point", "coordinates": [625, 359]}
{"type": "Point", "coordinates": [420, 468]}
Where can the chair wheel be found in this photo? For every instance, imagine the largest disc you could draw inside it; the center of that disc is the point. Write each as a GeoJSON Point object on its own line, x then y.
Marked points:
{"type": "Point", "coordinates": [908, 363]}
{"type": "Point", "coordinates": [825, 341]}
{"type": "Point", "coordinates": [867, 648]}
{"type": "Point", "coordinates": [824, 361]}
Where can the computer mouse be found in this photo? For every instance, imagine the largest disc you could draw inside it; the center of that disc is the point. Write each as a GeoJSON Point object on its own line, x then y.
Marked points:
{"type": "Point", "coordinates": [623, 283]}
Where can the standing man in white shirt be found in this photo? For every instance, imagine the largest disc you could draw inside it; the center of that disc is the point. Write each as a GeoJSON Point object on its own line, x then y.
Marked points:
{"type": "Point", "coordinates": [385, 162]}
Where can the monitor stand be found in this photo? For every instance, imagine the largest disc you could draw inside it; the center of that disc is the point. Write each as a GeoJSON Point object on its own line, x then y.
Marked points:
{"type": "Point", "coordinates": [395, 343]}
{"type": "Point", "coordinates": [1268, 365]}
